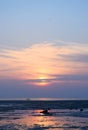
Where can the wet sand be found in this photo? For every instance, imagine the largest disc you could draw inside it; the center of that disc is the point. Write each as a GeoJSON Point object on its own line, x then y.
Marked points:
{"type": "Point", "coordinates": [28, 116]}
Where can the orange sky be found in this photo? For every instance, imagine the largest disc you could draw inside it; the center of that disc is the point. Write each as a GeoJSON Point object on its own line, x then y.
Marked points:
{"type": "Point", "coordinates": [43, 61]}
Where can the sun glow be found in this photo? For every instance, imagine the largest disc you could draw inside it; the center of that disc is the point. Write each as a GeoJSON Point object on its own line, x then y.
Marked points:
{"type": "Point", "coordinates": [42, 81]}
{"type": "Point", "coordinates": [43, 64]}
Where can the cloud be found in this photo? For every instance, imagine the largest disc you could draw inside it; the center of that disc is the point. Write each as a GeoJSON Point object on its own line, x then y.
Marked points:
{"type": "Point", "coordinates": [53, 61]}
{"type": "Point", "coordinates": [75, 57]}
{"type": "Point", "coordinates": [6, 56]}
{"type": "Point", "coordinates": [60, 79]}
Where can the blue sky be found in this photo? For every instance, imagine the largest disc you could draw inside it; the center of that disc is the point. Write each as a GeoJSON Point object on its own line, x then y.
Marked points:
{"type": "Point", "coordinates": [25, 22]}
{"type": "Point", "coordinates": [47, 33]}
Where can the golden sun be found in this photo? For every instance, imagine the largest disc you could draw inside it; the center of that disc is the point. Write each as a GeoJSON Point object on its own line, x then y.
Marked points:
{"type": "Point", "coordinates": [42, 81]}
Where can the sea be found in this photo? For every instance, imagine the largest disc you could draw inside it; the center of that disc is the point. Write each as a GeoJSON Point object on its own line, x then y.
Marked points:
{"type": "Point", "coordinates": [27, 114]}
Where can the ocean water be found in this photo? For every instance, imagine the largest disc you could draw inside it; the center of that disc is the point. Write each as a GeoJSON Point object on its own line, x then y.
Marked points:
{"type": "Point", "coordinates": [26, 115]}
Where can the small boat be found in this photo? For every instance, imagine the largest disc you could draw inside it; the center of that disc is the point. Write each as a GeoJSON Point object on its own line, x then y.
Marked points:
{"type": "Point", "coordinates": [28, 99]}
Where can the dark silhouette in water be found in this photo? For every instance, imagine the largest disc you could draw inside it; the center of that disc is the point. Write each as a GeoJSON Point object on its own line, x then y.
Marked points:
{"type": "Point", "coordinates": [81, 109]}
{"type": "Point", "coordinates": [46, 112]}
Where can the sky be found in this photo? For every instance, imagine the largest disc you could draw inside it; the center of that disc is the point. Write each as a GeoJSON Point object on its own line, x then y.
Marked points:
{"type": "Point", "coordinates": [44, 49]}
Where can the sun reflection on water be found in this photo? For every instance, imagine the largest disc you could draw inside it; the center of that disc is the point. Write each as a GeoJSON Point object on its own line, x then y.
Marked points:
{"type": "Point", "coordinates": [34, 120]}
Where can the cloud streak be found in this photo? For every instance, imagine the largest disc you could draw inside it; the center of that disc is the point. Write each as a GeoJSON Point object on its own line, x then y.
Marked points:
{"type": "Point", "coordinates": [56, 61]}
{"type": "Point", "coordinates": [75, 57]}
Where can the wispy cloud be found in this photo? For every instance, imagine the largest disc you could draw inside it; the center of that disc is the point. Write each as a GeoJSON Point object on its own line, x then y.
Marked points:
{"type": "Point", "coordinates": [6, 56]}
{"type": "Point", "coordinates": [62, 78]}
{"type": "Point", "coordinates": [46, 60]}
{"type": "Point", "coordinates": [75, 57]}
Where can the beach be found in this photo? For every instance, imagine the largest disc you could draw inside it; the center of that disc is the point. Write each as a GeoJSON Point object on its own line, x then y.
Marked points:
{"type": "Point", "coordinates": [26, 115]}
